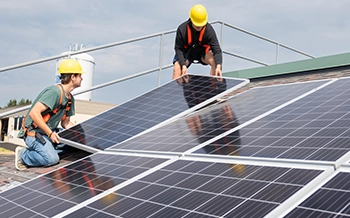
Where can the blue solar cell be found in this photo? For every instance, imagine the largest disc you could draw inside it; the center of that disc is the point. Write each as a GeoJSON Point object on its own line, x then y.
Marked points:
{"type": "Point", "coordinates": [245, 209]}
{"type": "Point", "coordinates": [64, 188]}
{"type": "Point", "coordinates": [146, 111]}
{"type": "Point", "coordinates": [87, 212]}
{"type": "Point", "coordinates": [331, 200]}
{"type": "Point", "coordinates": [195, 129]}
{"type": "Point", "coordinates": [311, 128]}
{"type": "Point", "coordinates": [234, 189]}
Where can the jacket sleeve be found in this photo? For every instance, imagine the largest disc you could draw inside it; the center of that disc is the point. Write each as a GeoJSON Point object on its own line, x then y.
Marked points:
{"type": "Point", "coordinates": [180, 41]}
{"type": "Point", "coordinates": [214, 44]}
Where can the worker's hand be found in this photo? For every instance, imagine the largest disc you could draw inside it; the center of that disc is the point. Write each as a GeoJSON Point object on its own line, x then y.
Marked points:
{"type": "Point", "coordinates": [184, 70]}
{"type": "Point", "coordinates": [186, 78]}
{"type": "Point", "coordinates": [55, 138]}
{"type": "Point", "coordinates": [218, 71]}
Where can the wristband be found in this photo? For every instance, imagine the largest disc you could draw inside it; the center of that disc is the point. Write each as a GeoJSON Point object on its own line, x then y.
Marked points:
{"type": "Point", "coordinates": [49, 135]}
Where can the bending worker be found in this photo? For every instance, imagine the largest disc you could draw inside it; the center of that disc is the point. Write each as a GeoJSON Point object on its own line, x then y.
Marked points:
{"type": "Point", "coordinates": [196, 42]}
{"type": "Point", "coordinates": [54, 105]}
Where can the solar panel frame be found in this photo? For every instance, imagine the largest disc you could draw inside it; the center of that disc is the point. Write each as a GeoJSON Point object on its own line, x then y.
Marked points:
{"type": "Point", "coordinates": [131, 198]}
{"type": "Point", "coordinates": [115, 125]}
{"type": "Point", "coordinates": [278, 205]}
{"type": "Point", "coordinates": [287, 137]}
{"type": "Point", "coordinates": [66, 187]}
{"type": "Point", "coordinates": [314, 203]}
{"type": "Point", "coordinates": [178, 137]}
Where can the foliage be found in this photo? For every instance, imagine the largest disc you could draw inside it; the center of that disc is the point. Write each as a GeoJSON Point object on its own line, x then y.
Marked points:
{"type": "Point", "coordinates": [14, 102]}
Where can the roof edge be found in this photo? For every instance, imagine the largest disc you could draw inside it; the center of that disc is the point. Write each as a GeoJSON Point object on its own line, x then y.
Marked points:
{"type": "Point", "coordinates": [331, 61]}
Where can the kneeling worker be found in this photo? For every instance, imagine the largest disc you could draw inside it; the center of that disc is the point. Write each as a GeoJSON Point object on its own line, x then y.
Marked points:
{"type": "Point", "coordinates": [54, 105]}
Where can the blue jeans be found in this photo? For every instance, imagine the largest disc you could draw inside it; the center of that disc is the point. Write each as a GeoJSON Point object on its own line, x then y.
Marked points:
{"type": "Point", "coordinates": [38, 154]}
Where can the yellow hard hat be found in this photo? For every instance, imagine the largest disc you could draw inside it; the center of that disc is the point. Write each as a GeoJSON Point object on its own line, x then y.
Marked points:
{"type": "Point", "coordinates": [198, 15]}
{"type": "Point", "coordinates": [70, 66]}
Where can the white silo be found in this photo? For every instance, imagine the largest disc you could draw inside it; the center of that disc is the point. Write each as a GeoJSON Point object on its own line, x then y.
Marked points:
{"type": "Point", "coordinates": [87, 62]}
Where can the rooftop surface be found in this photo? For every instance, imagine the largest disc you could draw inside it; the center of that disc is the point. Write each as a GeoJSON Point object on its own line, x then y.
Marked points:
{"type": "Point", "coordinates": [9, 176]}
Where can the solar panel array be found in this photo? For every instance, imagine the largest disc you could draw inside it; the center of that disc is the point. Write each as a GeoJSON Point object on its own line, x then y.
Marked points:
{"type": "Point", "coordinates": [68, 186]}
{"type": "Point", "coordinates": [315, 127]}
{"type": "Point", "coordinates": [331, 200]}
{"type": "Point", "coordinates": [281, 150]}
{"type": "Point", "coordinates": [203, 189]}
{"type": "Point", "coordinates": [184, 134]}
{"type": "Point", "coordinates": [169, 101]}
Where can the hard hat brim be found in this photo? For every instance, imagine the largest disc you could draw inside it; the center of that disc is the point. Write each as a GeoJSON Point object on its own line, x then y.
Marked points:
{"type": "Point", "coordinates": [200, 24]}
{"type": "Point", "coordinates": [80, 72]}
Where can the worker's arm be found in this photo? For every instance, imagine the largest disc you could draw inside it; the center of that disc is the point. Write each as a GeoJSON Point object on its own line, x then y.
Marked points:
{"type": "Point", "coordinates": [180, 42]}
{"type": "Point", "coordinates": [215, 48]}
{"type": "Point", "coordinates": [35, 114]}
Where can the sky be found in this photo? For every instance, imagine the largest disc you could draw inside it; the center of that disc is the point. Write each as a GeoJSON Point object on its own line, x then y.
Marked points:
{"type": "Point", "coordinates": [37, 29]}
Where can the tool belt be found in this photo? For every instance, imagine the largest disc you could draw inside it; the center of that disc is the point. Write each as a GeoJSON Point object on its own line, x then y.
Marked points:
{"type": "Point", "coordinates": [29, 132]}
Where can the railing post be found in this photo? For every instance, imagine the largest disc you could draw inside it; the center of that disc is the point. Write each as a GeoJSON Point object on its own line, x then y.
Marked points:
{"type": "Point", "coordinates": [277, 52]}
{"type": "Point", "coordinates": [160, 58]}
{"type": "Point", "coordinates": [221, 34]}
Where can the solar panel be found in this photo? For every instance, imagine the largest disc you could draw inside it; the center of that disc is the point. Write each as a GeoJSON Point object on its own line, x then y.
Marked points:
{"type": "Point", "coordinates": [331, 200]}
{"type": "Point", "coordinates": [315, 127]}
{"type": "Point", "coordinates": [185, 134]}
{"type": "Point", "coordinates": [167, 102]}
{"type": "Point", "coordinates": [189, 188]}
{"type": "Point", "coordinates": [108, 184]}
{"type": "Point", "coordinates": [66, 187]}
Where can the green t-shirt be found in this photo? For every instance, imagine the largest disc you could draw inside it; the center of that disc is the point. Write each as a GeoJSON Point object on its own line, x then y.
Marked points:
{"type": "Point", "coordinates": [50, 97]}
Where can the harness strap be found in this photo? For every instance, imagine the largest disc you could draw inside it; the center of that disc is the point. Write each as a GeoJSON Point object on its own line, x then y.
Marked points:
{"type": "Point", "coordinates": [189, 35]}
{"type": "Point", "coordinates": [201, 34]}
{"type": "Point", "coordinates": [47, 115]}
{"type": "Point", "coordinates": [200, 39]}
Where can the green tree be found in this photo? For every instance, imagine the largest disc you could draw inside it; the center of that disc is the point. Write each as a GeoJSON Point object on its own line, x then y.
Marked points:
{"type": "Point", "coordinates": [22, 102]}
{"type": "Point", "coordinates": [11, 103]}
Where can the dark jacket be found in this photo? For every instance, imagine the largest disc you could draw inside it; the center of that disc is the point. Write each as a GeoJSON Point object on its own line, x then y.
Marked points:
{"type": "Point", "coordinates": [209, 38]}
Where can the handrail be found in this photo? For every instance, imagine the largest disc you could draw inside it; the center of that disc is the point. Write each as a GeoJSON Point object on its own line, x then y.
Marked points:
{"type": "Point", "coordinates": [7, 113]}
{"type": "Point", "coordinates": [121, 79]}
{"type": "Point", "coordinates": [159, 68]}
{"type": "Point", "coordinates": [263, 38]}
{"type": "Point", "coordinates": [244, 58]}
{"type": "Point", "coordinates": [83, 51]}
{"type": "Point", "coordinates": [152, 36]}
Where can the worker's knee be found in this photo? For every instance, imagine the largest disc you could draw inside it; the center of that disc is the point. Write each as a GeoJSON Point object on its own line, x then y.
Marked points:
{"type": "Point", "coordinates": [209, 59]}
{"type": "Point", "coordinates": [51, 159]}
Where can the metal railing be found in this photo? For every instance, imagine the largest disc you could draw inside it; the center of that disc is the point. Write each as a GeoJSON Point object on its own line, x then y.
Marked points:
{"type": "Point", "coordinates": [161, 50]}
{"type": "Point", "coordinates": [278, 45]}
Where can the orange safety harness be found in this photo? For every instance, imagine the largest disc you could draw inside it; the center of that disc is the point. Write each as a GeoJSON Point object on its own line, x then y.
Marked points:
{"type": "Point", "coordinates": [47, 114]}
{"type": "Point", "coordinates": [200, 38]}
